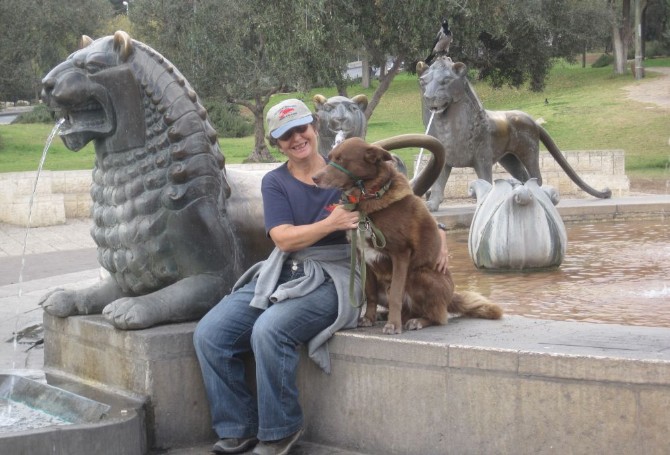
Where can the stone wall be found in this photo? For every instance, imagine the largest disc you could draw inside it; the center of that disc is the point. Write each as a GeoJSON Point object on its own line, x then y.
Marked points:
{"type": "Point", "coordinates": [56, 196]}
{"type": "Point", "coordinates": [66, 194]}
{"type": "Point", "coordinates": [598, 168]}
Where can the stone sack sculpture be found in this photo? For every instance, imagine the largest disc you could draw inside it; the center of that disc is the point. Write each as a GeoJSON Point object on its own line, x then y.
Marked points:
{"type": "Point", "coordinates": [159, 186]}
{"type": "Point", "coordinates": [478, 138]}
{"type": "Point", "coordinates": [516, 226]}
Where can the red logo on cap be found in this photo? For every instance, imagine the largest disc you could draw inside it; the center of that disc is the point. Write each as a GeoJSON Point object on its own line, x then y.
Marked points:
{"type": "Point", "coordinates": [285, 111]}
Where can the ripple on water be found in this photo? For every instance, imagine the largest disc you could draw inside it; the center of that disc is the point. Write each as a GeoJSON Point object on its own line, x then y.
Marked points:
{"type": "Point", "coordinates": [15, 416]}
{"type": "Point", "coordinates": [616, 272]}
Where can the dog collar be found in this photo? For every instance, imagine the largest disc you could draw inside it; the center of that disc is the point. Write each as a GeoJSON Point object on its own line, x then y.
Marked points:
{"type": "Point", "coordinates": [358, 182]}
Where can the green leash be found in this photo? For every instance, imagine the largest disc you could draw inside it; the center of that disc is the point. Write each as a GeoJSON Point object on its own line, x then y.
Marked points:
{"type": "Point", "coordinates": [365, 224]}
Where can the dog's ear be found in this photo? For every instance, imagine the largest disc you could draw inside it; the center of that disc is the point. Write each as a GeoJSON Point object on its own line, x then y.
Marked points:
{"type": "Point", "coordinates": [374, 153]}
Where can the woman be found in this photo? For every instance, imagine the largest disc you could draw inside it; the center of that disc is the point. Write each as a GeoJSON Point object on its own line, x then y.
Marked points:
{"type": "Point", "coordinates": [299, 295]}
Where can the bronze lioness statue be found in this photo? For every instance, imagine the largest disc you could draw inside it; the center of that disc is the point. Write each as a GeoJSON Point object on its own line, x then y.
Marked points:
{"type": "Point", "coordinates": [478, 138]}
{"type": "Point", "coordinates": [339, 114]}
{"type": "Point", "coordinates": [342, 118]}
{"type": "Point", "coordinates": [159, 186]}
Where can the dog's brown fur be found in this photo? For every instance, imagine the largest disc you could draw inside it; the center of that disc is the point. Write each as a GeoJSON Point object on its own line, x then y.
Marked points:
{"type": "Point", "coordinates": [418, 295]}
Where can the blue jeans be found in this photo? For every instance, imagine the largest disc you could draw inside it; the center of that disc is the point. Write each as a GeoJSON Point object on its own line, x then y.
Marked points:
{"type": "Point", "coordinates": [233, 328]}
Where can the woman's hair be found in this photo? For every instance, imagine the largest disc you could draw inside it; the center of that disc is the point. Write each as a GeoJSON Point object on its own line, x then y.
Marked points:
{"type": "Point", "coordinates": [275, 142]}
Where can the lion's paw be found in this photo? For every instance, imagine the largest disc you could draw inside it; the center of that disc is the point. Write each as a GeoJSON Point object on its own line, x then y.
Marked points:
{"type": "Point", "coordinates": [60, 303]}
{"type": "Point", "coordinates": [432, 205]}
{"type": "Point", "coordinates": [131, 313]}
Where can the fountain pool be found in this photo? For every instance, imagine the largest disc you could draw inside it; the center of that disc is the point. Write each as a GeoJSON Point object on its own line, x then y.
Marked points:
{"type": "Point", "coordinates": [615, 272]}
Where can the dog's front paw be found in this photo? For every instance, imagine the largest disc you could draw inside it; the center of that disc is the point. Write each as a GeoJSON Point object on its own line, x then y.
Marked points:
{"type": "Point", "coordinates": [365, 322]}
{"type": "Point", "coordinates": [392, 329]}
{"type": "Point", "coordinates": [414, 324]}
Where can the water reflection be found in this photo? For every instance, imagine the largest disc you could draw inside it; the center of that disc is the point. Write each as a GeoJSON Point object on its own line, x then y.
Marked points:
{"type": "Point", "coordinates": [616, 272]}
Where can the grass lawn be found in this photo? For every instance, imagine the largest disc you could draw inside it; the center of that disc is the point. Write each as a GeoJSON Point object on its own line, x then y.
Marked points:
{"type": "Point", "coordinates": [587, 109]}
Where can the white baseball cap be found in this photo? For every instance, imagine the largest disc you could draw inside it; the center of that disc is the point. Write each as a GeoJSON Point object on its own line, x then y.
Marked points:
{"type": "Point", "coordinates": [286, 115]}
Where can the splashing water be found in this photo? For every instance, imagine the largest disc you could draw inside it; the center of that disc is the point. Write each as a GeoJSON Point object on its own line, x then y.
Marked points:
{"type": "Point", "coordinates": [418, 161]}
{"type": "Point", "coordinates": [339, 137]}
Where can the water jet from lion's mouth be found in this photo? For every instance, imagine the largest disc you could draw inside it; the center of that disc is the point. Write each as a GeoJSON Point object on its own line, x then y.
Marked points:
{"type": "Point", "coordinates": [7, 418]}
{"type": "Point", "coordinates": [339, 137]}
{"type": "Point", "coordinates": [418, 161]}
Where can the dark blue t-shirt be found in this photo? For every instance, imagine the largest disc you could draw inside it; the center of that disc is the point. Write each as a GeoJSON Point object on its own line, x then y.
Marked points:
{"type": "Point", "coordinates": [287, 200]}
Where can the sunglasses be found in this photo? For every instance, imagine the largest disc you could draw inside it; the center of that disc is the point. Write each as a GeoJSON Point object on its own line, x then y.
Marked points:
{"type": "Point", "coordinates": [289, 134]}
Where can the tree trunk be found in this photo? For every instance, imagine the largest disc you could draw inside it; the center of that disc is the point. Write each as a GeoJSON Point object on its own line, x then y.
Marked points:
{"type": "Point", "coordinates": [261, 153]}
{"type": "Point", "coordinates": [621, 33]}
{"type": "Point", "coordinates": [639, 66]}
{"type": "Point", "coordinates": [384, 84]}
{"type": "Point", "coordinates": [365, 72]}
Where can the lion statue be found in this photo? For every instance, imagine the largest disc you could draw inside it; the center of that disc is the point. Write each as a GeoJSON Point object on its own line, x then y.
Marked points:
{"type": "Point", "coordinates": [478, 138]}
{"type": "Point", "coordinates": [340, 118]}
{"type": "Point", "coordinates": [339, 114]}
{"type": "Point", "coordinates": [160, 191]}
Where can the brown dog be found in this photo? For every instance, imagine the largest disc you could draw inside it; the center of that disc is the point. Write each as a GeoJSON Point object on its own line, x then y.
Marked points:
{"type": "Point", "coordinates": [418, 295]}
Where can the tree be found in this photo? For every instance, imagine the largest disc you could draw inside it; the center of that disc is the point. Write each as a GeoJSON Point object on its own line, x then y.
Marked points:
{"type": "Point", "coordinates": [391, 32]}
{"type": "Point", "coordinates": [36, 35]}
{"type": "Point", "coordinates": [245, 52]}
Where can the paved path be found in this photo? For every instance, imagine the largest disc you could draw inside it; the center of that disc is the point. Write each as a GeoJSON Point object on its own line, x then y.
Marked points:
{"type": "Point", "coordinates": [655, 91]}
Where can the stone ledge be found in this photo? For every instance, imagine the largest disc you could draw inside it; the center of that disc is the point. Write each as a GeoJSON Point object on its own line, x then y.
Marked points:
{"type": "Point", "coordinates": [577, 387]}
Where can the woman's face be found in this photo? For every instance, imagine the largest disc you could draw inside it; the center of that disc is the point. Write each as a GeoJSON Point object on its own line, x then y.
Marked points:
{"type": "Point", "coordinates": [299, 142]}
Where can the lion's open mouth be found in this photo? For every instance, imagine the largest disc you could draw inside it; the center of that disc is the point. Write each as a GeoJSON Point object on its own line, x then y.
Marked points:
{"type": "Point", "coordinates": [89, 117]}
{"type": "Point", "coordinates": [84, 123]}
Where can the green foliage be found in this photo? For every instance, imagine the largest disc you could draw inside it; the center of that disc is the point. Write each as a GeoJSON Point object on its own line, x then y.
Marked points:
{"type": "Point", "coordinates": [39, 114]}
{"type": "Point", "coordinates": [227, 119]}
{"type": "Point", "coordinates": [603, 60]}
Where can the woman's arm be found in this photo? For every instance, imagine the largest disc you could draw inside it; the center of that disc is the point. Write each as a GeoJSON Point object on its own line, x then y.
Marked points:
{"type": "Point", "coordinates": [290, 238]}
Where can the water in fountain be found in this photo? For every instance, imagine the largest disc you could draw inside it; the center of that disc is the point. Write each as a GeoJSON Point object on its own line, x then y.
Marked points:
{"type": "Point", "coordinates": [16, 416]}
{"type": "Point", "coordinates": [615, 272]}
{"type": "Point", "coordinates": [7, 406]}
{"type": "Point", "coordinates": [418, 160]}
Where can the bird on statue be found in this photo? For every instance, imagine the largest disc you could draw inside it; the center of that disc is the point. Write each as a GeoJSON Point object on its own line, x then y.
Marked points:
{"type": "Point", "coordinates": [441, 43]}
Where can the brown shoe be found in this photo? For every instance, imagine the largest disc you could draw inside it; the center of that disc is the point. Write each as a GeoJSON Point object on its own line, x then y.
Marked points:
{"type": "Point", "coordinates": [234, 445]}
{"type": "Point", "coordinates": [280, 447]}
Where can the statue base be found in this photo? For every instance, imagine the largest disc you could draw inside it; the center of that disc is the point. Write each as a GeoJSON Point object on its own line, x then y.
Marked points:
{"type": "Point", "coordinates": [156, 366]}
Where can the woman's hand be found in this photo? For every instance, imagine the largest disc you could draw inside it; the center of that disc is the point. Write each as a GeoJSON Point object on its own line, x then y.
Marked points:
{"type": "Point", "coordinates": [288, 237]}
{"type": "Point", "coordinates": [442, 264]}
{"type": "Point", "coordinates": [343, 219]}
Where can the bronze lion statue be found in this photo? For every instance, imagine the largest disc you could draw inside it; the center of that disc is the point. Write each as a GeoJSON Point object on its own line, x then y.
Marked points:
{"type": "Point", "coordinates": [478, 138]}
{"type": "Point", "coordinates": [160, 191]}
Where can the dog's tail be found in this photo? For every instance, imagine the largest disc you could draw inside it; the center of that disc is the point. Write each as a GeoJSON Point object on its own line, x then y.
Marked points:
{"type": "Point", "coordinates": [474, 305]}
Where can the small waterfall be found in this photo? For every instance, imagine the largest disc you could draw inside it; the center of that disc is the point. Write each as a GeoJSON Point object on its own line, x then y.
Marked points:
{"type": "Point", "coordinates": [418, 161]}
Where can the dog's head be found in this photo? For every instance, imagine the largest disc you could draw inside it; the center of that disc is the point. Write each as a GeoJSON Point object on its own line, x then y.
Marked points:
{"type": "Point", "coordinates": [351, 163]}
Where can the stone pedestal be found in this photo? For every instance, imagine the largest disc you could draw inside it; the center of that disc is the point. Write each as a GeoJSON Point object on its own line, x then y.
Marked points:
{"type": "Point", "coordinates": [156, 365]}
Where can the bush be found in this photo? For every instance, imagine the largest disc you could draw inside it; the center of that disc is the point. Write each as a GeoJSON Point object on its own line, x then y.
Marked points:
{"type": "Point", "coordinates": [39, 114]}
{"type": "Point", "coordinates": [656, 49]}
{"type": "Point", "coordinates": [227, 120]}
{"type": "Point", "coordinates": [603, 61]}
